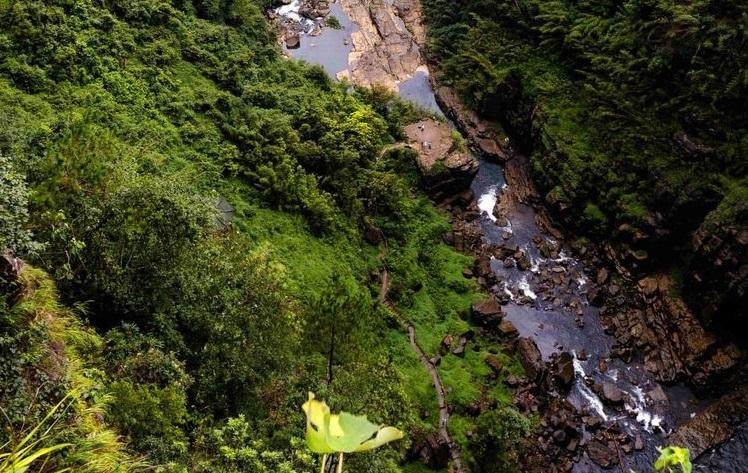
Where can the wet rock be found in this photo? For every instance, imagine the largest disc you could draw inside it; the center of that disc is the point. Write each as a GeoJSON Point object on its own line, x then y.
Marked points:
{"type": "Point", "coordinates": [602, 276]}
{"type": "Point", "coordinates": [592, 422]}
{"type": "Point", "coordinates": [638, 442]}
{"type": "Point", "coordinates": [523, 262]}
{"type": "Point", "coordinates": [530, 358]}
{"type": "Point", "coordinates": [507, 328]}
{"type": "Point", "coordinates": [612, 394]}
{"type": "Point", "coordinates": [657, 394]}
{"type": "Point", "coordinates": [563, 370]}
{"type": "Point", "coordinates": [487, 313]}
{"type": "Point", "coordinates": [602, 454]}
{"type": "Point", "coordinates": [713, 425]}
{"type": "Point", "coordinates": [573, 445]}
{"type": "Point", "coordinates": [293, 41]}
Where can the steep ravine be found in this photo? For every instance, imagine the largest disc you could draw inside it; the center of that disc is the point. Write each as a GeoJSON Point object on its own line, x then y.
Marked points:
{"type": "Point", "coordinates": [564, 314]}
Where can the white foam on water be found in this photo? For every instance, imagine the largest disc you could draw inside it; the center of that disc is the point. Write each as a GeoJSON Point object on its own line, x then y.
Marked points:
{"type": "Point", "coordinates": [581, 280]}
{"type": "Point", "coordinates": [594, 402]}
{"type": "Point", "coordinates": [524, 286]}
{"type": "Point", "coordinates": [504, 186]}
{"type": "Point", "coordinates": [487, 201]}
{"type": "Point", "coordinates": [612, 374]}
{"type": "Point", "coordinates": [509, 293]}
{"type": "Point", "coordinates": [291, 11]}
{"type": "Point", "coordinates": [561, 257]}
{"type": "Point", "coordinates": [648, 420]}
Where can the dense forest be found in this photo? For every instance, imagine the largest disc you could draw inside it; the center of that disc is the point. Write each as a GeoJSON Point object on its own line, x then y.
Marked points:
{"type": "Point", "coordinates": [201, 225]}
{"type": "Point", "coordinates": [635, 116]}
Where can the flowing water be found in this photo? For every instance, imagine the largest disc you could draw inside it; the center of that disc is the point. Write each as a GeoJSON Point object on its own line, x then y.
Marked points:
{"type": "Point", "coordinates": [548, 301]}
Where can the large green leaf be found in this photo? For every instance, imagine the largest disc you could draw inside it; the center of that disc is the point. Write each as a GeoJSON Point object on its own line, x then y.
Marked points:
{"type": "Point", "coordinates": [343, 432]}
{"type": "Point", "coordinates": [674, 456]}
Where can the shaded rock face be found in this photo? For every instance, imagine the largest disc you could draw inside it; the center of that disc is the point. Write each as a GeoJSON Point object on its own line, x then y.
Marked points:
{"type": "Point", "coordinates": [443, 165]}
{"type": "Point", "coordinates": [716, 424]}
{"type": "Point", "coordinates": [10, 267]}
{"type": "Point", "coordinates": [431, 450]}
{"type": "Point", "coordinates": [481, 133]}
{"type": "Point", "coordinates": [671, 338]}
{"type": "Point", "coordinates": [717, 279]}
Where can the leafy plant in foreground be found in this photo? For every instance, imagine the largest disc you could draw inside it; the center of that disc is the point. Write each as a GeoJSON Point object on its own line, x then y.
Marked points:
{"type": "Point", "coordinates": [341, 433]}
{"type": "Point", "coordinates": [671, 457]}
{"type": "Point", "coordinates": [28, 450]}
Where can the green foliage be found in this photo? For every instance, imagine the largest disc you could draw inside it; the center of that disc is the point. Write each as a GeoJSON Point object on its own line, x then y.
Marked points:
{"type": "Point", "coordinates": [129, 121]}
{"type": "Point", "coordinates": [498, 436]}
{"type": "Point", "coordinates": [333, 22]}
{"type": "Point", "coordinates": [19, 457]}
{"type": "Point", "coordinates": [50, 381]}
{"type": "Point", "coordinates": [233, 447]}
{"type": "Point", "coordinates": [630, 112]}
{"type": "Point", "coordinates": [14, 234]}
{"type": "Point", "coordinates": [672, 457]}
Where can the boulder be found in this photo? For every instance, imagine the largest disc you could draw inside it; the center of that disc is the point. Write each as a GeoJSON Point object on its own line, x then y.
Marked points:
{"type": "Point", "coordinates": [602, 454]}
{"type": "Point", "coordinates": [446, 345]}
{"type": "Point", "coordinates": [530, 358]}
{"type": "Point", "coordinates": [10, 268]}
{"type": "Point", "coordinates": [563, 370]}
{"type": "Point", "coordinates": [612, 394]}
{"type": "Point", "coordinates": [460, 350]}
{"type": "Point", "coordinates": [487, 313]}
{"type": "Point", "coordinates": [507, 329]}
{"type": "Point", "coordinates": [293, 41]}
{"type": "Point", "coordinates": [494, 364]}
{"type": "Point", "coordinates": [443, 164]}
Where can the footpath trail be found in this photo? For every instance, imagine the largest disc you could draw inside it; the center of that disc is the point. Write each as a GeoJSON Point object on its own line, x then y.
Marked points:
{"type": "Point", "coordinates": [454, 451]}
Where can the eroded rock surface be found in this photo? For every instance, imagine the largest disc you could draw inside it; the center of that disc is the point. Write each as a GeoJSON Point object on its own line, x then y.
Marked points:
{"type": "Point", "coordinates": [441, 161]}
{"type": "Point", "coordinates": [713, 426]}
{"type": "Point", "coordinates": [384, 50]}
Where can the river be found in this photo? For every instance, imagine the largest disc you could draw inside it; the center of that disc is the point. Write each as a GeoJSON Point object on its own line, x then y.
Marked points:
{"type": "Point", "coordinates": [546, 301]}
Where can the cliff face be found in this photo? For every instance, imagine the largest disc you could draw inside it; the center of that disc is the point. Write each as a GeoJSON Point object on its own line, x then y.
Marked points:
{"type": "Point", "coordinates": [717, 280]}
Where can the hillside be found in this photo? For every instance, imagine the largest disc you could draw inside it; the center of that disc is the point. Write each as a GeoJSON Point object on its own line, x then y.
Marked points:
{"type": "Point", "coordinates": [219, 216]}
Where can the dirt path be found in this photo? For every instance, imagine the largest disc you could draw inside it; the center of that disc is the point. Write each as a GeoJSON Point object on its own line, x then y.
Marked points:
{"type": "Point", "coordinates": [454, 451]}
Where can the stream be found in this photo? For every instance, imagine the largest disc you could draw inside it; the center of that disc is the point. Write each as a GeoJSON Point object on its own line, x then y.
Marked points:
{"type": "Point", "coordinates": [548, 300]}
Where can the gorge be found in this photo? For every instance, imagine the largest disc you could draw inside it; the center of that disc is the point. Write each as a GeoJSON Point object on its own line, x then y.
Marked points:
{"type": "Point", "coordinates": [244, 236]}
{"type": "Point", "coordinates": [604, 339]}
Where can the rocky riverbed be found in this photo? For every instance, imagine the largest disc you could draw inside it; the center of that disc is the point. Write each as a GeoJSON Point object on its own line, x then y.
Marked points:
{"type": "Point", "coordinates": [607, 353]}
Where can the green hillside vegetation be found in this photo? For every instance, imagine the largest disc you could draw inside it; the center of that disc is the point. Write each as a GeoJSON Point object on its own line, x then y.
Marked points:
{"type": "Point", "coordinates": [633, 113]}
{"type": "Point", "coordinates": [201, 202]}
